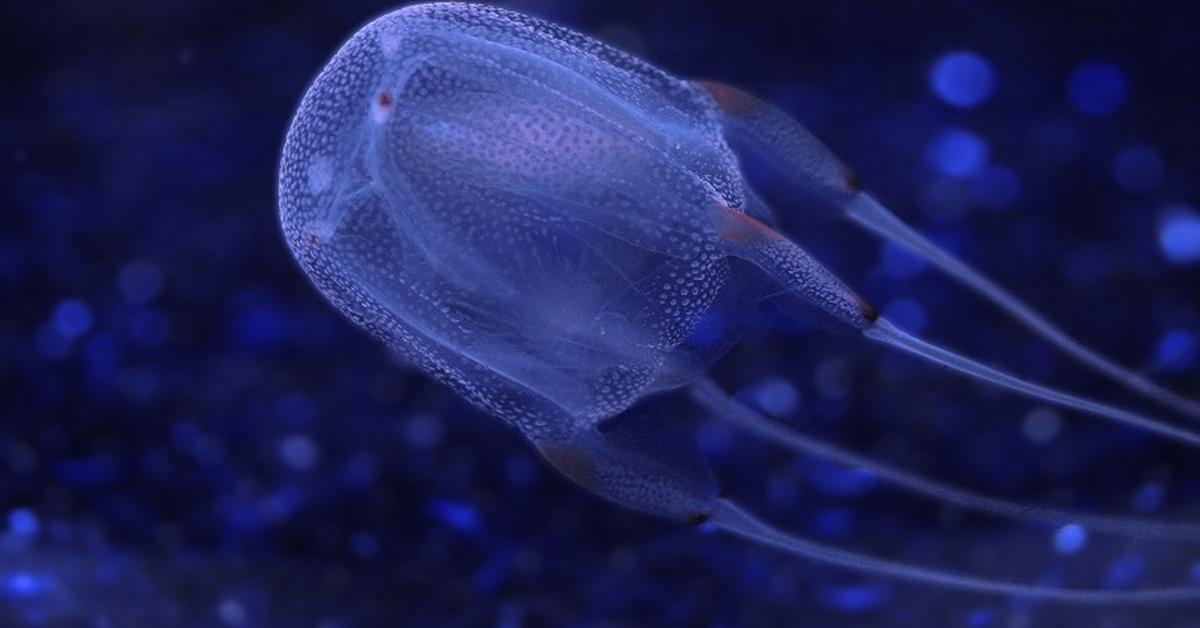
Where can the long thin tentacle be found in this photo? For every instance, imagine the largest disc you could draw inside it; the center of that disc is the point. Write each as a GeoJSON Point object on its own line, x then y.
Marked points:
{"type": "Point", "coordinates": [728, 516]}
{"type": "Point", "coordinates": [874, 217]}
{"type": "Point", "coordinates": [790, 148]}
{"type": "Point", "coordinates": [883, 331]}
{"type": "Point", "coordinates": [728, 409]}
{"type": "Point", "coordinates": [811, 282]}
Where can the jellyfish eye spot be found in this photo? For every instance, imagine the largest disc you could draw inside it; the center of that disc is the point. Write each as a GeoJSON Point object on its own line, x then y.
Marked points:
{"type": "Point", "coordinates": [382, 106]}
{"type": "Point", "coordinates": [318, 233]}
{"type": "Point", "coordinates": [853, 183]}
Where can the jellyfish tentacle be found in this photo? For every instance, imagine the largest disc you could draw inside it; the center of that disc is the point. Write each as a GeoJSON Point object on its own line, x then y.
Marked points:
{"type": "Point", "coordinates": [731, 518]}
{"type": "Point", "coordinates": [809, 281]}
{"type": "Point", "coordinates": [873, 216]}
{"type": "Point", "coordinates": [883, 331]}
{"type": "Point", "coordinates": [724, 407]}
{"type": "Point", "coordinates": [793, 150]}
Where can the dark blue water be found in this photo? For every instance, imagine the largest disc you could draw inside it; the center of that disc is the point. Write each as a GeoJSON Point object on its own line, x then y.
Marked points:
{"type": "Point", "coordinates": [189, 436]}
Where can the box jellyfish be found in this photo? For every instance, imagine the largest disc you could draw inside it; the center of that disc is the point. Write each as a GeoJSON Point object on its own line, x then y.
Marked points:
{"type": "Point", "coordinates": [541, 222]}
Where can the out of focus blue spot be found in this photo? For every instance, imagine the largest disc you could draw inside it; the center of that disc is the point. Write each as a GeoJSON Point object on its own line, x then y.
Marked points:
{"type": "Point", "coordinates": [957, 152]}
{"type": "Point", "coordinates": [1196, 572]}
{"type": "Point", "coordinates": [1041, 425]}
{"type": "Point", "coordinates": [1177, 350]}
{"type": "Point", "coordinates": [232, 612]}
{"type": "Point", "coordinates": [839, 481]}
{"type": "Point", "coordinates": [776, 396]}
{"type": "Point", "coordinates": [282, 503]}
{"type": "Point", "coordinates": [1148, 497]}
{"type": "Point", "coordinates": [907, 314]}
{"type": "Point", "coordinates": [72, 318]}
{"type": "Point", "coordinates": [364, 545]}
{"type": "Point", "coordinates": [1179, 234]}
{"type": "Point", "coordinates": [139, 282]}
{"type": "Point", "coordinates": [456, 514]}
{"type": "Point", "coordinates": [298, 452]}
{"type": "Point", "coordinates": [22, 584]}
{"type": "Point", "coordinates": [996, 187]}
{"type": "Point", "coordinates": [22, 522]}
{"type": "Point", "coordinates": [1098, 88]}
{"type": "Point", "coordinates": [1070, 538]}
{"type": "Point", "coordinates": [979, 618]}
{"type": "Point", "coordinates": [1138, 169]}
{"type": "Point", "coordinates": [857, 598]}
{"type": "Point", "coordinates": [899, 262]}
{"type": "Point", "coordinates": [962, 78]}
{"type": "Point", "coordinates": [1125, 571]}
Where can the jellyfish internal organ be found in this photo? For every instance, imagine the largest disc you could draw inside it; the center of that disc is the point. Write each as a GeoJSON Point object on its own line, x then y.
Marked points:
{"type": "Point", "coordinates": [540, 221]}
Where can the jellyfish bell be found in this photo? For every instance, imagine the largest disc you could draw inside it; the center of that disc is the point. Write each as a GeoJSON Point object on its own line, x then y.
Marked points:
{"type": "Point", "coordinates": [546, 224]}
{"type": "Point", "coordinates": [515, 221]}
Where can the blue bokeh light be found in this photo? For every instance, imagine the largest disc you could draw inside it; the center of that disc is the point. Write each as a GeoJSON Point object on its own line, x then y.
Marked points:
{"type": "Point", "coordinates": [1070, 538]}
{"type": "Point", "coordinates": [1177, 350]}
{"type": "Point", "coordinates": [839, 481]}
{"type": "Point", "coordinates": [364, 545]}
{"type": "Point", "coordinates": [22, 522]}
{"type": "Point", "coordinates": [956, 152]}
{"type": "Point", "coordinates": [1148, 497]}
{"type": "Point", "coordinates": [1098, 88]}
{"type": "Point", "coordinates": [980, 618]}
{"type": "Point", "coordinates": [962, 78]}
{"type": "Point", "coordinates": [777, 396]}
{"type": "Point", "coordinates": [457, 514]}
{"type": "Point", "coordinates": [298, 452]}
{"type": "Point", "coordinates": [1041, 425]}
{"type": "Point", "coordinates": [857, 598]}
{"type": "Point", "coordinates": [23, 585]}
{"type": "Point", "coordinates": [1179, 234]}
{"type": "Point", "coordinates": [140, 282]}
{"type": "Point", "coordinates": [1138, 169]}
{"type": "Point", "coordinates": [72, 318]}
{"type": "Point", "coordinates": [1125, 571]}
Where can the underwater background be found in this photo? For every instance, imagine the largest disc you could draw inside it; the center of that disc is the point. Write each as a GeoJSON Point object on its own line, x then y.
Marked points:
{"type": "Point", "coordinates": [190, 436]}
